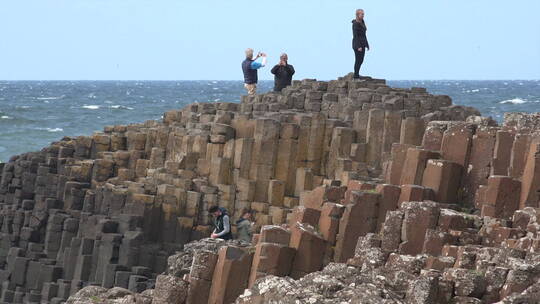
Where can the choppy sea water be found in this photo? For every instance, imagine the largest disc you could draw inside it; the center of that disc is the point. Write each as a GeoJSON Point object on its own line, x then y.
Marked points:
{"type": "Point", "coordinates": [36, 113]}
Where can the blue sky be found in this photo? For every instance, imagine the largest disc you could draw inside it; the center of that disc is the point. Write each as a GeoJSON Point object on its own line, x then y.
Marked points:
{"type": "Point", "coordinates": [185, 40]}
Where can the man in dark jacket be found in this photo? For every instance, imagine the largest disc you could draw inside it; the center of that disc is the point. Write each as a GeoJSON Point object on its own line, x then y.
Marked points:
{"type": "Point", "coordinates": [222, 223]}
{"type": "Point", "coordinates": [249, 68]}
{"type": "Point", "coordinates": [283, 73]}
{"type": "Point", "coordinates": [359, 43]}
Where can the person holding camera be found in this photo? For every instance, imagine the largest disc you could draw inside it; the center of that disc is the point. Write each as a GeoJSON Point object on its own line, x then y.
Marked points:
{"type": "Point", "coordinates": [250, 67]}
{"type": "Point", "coordinates": [359, 43]}
{"type": "Point", "coordinates": [283, 73]}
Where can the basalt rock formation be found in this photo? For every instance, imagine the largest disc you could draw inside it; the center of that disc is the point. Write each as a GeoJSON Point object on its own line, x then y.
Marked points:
{"type": "Point", "coordinates": [362, 193]}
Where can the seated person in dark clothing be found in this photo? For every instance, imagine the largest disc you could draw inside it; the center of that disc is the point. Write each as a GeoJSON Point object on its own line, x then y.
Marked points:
{"type": "Point", "coordinates": [283, 73]}
{"type": "Point", "coordinates": [222, 223]}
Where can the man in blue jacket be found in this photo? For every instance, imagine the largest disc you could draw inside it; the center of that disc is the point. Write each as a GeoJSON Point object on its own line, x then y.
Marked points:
{"type": "Point", "coordinates": [250, 67]}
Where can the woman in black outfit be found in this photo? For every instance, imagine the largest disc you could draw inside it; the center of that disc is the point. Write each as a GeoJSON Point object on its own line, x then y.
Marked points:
{"type": "Point", "coordinates": [359, 43]}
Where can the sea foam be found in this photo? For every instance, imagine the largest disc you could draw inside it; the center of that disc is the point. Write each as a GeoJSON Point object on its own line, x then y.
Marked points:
{"type": "Point", "coordinates": [518, 101]}
{"type": "Point", "coordinates": [515, 101]}
{"type": "Point", "coordinates": [51, 129]}
{"type": "Point", "coordinates": [121, 107]}
{"type": "Point", "coordinates": [91, 107]}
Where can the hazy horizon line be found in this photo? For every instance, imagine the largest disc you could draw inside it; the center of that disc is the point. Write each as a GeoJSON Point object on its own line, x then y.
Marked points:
{"type": "Point", "coordinates": [263, 80]}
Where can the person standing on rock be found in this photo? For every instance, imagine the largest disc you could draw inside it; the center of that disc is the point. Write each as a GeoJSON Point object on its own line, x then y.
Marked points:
{"type": "Point", "coordinates": [250, 67]}
{"type": "Point", "coordinates": [359, 43]}
{"type": "Point", "coordinates": [283, 73]}
{"type": "Point", "coordinates": [243, 226]}
{"type": "Point", "coordinates": [222, 223]}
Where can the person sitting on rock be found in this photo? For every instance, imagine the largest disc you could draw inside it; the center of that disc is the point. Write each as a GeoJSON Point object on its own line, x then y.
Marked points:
{"type": "Point", "coordinates": [222, 223]}
{"type": "Point", "coordinates": [243, 226]}
{"type": "Point", "coordinates": [283, 73]}
{"type": "Point", "coordinates": [250, 67]}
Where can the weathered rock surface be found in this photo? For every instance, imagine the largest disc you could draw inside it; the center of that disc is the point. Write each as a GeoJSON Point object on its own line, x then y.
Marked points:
{"type": "Point", "coordinates": [349, 171]}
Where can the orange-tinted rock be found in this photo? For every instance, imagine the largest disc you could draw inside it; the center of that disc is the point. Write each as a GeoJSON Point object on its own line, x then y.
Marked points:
{"type": "Point", "coordinates": [389, 201]}
{"type": "Point", "coordinates": [419, 217]}
{"type": "Point", "coordinates": [520, 150]}
{"type": "Point", "coordinates": [230, 275]}
{"type": "Point", "coordinates": [359, 218]}
{"type": "Point", "coordinates": [444, 177]}
{"type": "Point", "coordinates": [435, 240]}
{"type": "Point", "coordinates": [398, 156]}
{"type": "Point", "coordinates": [414, 193]}
{"type": "Point", "coordinates": [502, 194]}
{"type": "Point", "coordinates": [453, 220]}
{"type": "Point", "coordinates": [502, 153]}
{"type": "Point", "coordinates": [310, 248]}
{"type": "Point", "coordinates": [302, 214]}
{"type": "Point", "coordinates": [271, 259]}
{"type": "Point", "coordinates": [530, 182]}
{"type": "Point", "coordinates": [329, 221]}
{"type": "Point", "coordinates": [479, 168]}
{"type": "Point", "coordinates": [415, 163]}
{"type": "Point", "coordinates": [433, 135]}
{"type": "Point", "coordinates": [439, 263]}
{"type": "Point", "coordinates": [412, 131]}
{"type": "Point", "coordinates": [318, 196]}
{"type": "Point", "coordinates": [456, 144]}
{"type": "Point", "coordinates": [274, 234]}
{"type": "Point", "coordinates": [355, 185]}
{"type": "Point", "coordinates": [391, 231]}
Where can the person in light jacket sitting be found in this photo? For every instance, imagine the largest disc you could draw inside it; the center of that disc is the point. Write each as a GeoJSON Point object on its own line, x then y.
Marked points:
{"type": "Point", "coordinates": [243, 227]}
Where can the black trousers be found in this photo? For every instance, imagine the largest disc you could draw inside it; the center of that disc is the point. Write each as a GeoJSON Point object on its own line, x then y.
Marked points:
{"type": "Point", "coordinates": [358, 60]}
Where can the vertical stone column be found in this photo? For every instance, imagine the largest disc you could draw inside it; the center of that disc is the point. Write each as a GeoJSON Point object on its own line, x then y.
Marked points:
{"type": "Point", "coordinates": [375, 132]}
{"type": "Point", "coordinates": [399, 154]}
{"type": "Point", "coordinates": [415, 163]}
{"type": "Point", "coordinates": [392, 129]}
{"type": "Point", "coordinates": [530, 182]}
{"type": "Point", "coordinates": [444, 177]}
{"type": "Point", "coordinates": [272, 254]}
{"type": "Point", "coordinates": [360, 124]}
{"type": "Point", "coordinates": [316, 143]}
{"type": "Point", "coordinates": [340, 148]}
{"type": "Point", "coordinates": [419, 216]}
{"type": "Point", "coordinates": [388, 201]}
{"type": "Point", "coordinates": [242, 156]}
{"type": "Point", "coordinates": [502, 153]}
{"type": "Point", "coordinates": [359, 218]}
{"type": "Point", "coordinates": [231, 274]}
{"type": "Point", "coordinates": [412, 131]}
{"type": "Point", "coordinates": [501, 198]}
{"type": "Point", "coordinates": [310, 248]}
{"type": "Point", "coordinates": [483, 143]}
{"type": "Point", "coordinates": [456, 144]}
{"type": "Point", "coordinates": [264, 156]}
{"type": "Point", "coordinates": [286, 157]}
{"type": "Point", "coordinates": [520, 149]}
{"type": "Point", "coordinates": [200, 276]}
{"type": "Point", "coordinates": [303, 139]}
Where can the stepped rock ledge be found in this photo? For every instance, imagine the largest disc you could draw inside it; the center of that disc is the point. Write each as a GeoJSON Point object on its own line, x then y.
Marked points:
{"type": "Point", "coordinates": [362, 193]}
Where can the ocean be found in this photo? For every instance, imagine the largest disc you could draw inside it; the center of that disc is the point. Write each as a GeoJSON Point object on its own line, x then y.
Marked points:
{"type": "Point", "coordinates": [35, 113]}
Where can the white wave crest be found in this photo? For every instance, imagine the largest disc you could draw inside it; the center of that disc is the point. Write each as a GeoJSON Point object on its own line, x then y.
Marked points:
{"type": "Point", "coordinates": [6, 117]}
{"type": "Point", "coordinates": [51, 129]}
{"type": "Point", "coordinates": [91, 107]}
{"type": "Point", "coordinates": [121, 107]}
{"type": "Point", "coordinates": [51, 98]}
{"type": "Point", "coordinates": [514, 101]}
